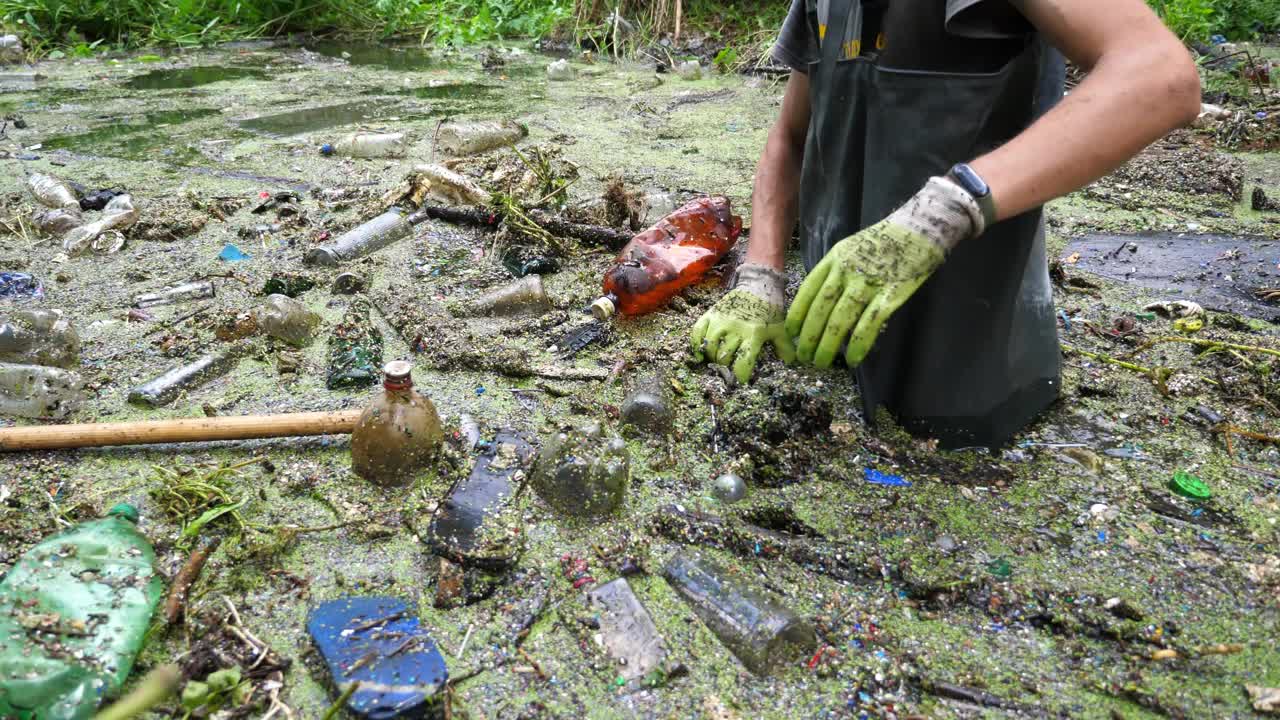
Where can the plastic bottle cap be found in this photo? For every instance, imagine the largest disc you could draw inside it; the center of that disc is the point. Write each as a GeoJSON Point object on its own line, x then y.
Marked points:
{"type": "Point", "coordinates": [326, 149]}
{"type": "Point", "coordinates": [126, 511]}
{"type": "Point", "coordinates": [397, 369]}
{"type": "Point", "coordinates": [603, 308]}
{"type": "Point", "coordinates": [1190, 486]}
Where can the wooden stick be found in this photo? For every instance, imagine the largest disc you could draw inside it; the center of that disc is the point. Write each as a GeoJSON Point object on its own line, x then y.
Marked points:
{"type": "Point", "coordinates": [175, 605]}
{"type": "Point", "coordinates": [52, 437]}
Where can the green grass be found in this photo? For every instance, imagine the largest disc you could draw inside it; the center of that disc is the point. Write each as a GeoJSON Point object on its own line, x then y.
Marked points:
{"type": "Point", "coordinates": [745, 27]}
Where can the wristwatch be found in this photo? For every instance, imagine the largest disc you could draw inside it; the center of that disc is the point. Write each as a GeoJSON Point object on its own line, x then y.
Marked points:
{"type": "Point", "coordinates": [964, 176]}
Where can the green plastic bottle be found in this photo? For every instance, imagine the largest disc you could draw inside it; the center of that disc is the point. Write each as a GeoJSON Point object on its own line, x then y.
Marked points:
{"type": "Point", "coordinates": [73, 614]}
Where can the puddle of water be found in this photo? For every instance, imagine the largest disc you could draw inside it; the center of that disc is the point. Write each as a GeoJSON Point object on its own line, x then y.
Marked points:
{"type": "Point", "coordinates": [1218, 271]}
{"type": "Point", "coordinates": [386, 56]}
{"type": "Point", "coordinates": [448, 91]}
{"type": "Point", "coordinates": [191, 77]}
{"type": "Point", "coordinates": [138, 137]}
{"type": "Point", "coordinates": [309, 119]}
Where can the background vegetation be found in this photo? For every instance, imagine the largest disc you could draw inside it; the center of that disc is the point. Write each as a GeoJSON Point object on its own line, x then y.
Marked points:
{"type": "Point", "coordinates": [84, 26]}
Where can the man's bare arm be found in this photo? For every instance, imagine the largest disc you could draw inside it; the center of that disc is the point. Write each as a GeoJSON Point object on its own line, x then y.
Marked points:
{"type": "Point", "coordinates": [1142, 84]}
{"type": "Point", "coordinates": [775, 199]}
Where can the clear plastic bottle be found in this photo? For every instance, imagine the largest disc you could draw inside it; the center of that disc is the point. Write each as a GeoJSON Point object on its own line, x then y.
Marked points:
{"type": "Point", "coordinates": [524, 295]}
{"type": "Point", "coordinates": [386, 229]}
{"type": "Point", "coordinates": [52, 192]}
{"type": "Point", "coordinates": [399, 434]}
{"type": "Point", "coordinates": [760, 632]}
{"type": "Point", "coordinates": [583, 472]}
{"type": "Point", "coordinates": [179, 294]}
{"type": "Point", "coordinates": [93, 590]}
{"type": "Point", "coordinates": [39, 337]}
{"type": "Point", "coordinates": [57, 221]}
{"type": "Point", "coordinates": [648, 407]}
{"type": "Point", "coordinates": [117, 215]}
{"type": "Point", "coordinates": [284, 318]}
{"type": "Point", "coordinates": [471, 138]}
{"type": "Point", "coordinates": [165, 388]}
{"type": "Point", "coordinates": [11, 50]}
{"type": "Point", "coordinates": [668, 257]}
{"type": "Point", "coordinates": [36, 391]}
{"type": "Point", "coordinates": [369, 145]}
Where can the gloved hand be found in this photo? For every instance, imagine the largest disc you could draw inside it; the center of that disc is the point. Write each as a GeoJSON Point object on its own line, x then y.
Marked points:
{"type": "Point", "coordinates": [867, 276]}
{"type": "Point", "coordinates": [747, 317]}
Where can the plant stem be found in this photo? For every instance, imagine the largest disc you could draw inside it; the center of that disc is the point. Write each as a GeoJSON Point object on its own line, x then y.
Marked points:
{"type": "Point", "coordinates": [151, 691]}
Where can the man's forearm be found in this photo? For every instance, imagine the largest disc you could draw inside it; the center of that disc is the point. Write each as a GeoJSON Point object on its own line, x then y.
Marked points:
{"type": "Point", "coordinates": [774, 202]}
{"type": "Point", "coordinates": [1140, 87]}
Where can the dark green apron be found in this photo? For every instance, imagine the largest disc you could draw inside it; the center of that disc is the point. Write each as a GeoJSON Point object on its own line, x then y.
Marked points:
{"type": "Point", "coordinates": [973, 356]}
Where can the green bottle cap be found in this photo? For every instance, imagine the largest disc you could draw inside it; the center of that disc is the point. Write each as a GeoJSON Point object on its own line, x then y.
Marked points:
{"type": "Point", "coordinates": [1190, 486]}
{"type": "Point", "coordinates": [126, 511]}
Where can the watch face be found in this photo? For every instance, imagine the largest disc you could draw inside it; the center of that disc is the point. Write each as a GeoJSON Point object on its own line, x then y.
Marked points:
{"type": "Point", "coordinates": [969, 180]}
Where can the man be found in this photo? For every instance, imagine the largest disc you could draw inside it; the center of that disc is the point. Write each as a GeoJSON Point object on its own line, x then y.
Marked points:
{"type": "Point", "coordinates": [915, 146]}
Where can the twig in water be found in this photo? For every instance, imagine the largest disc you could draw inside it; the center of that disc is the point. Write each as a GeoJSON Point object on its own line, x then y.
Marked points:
{"type": "Point", "coordinates": [175, 605]}
{"type": "Point", "coordinates": [337, 705]}
{"type": "Point", "coordinates": [158, 685]}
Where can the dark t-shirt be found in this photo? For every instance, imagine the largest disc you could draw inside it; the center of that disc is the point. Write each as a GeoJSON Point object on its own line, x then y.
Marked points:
{"type": "Point", "coordinates": [938, 35]}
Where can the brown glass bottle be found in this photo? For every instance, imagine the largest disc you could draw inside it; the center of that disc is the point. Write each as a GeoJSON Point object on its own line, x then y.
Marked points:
{"type": "Point", "coordinates": [399, 434]}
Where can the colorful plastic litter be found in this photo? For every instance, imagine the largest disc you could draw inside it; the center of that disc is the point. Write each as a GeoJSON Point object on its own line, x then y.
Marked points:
{"type": "Point", "coordinates": [878, 478]}
{"type": "Point", "coordinates": [1189, 486]}
{"type": "Point", "coordinates": [375, 641]}
{"type": "Point", "coordinates": [231, 253]}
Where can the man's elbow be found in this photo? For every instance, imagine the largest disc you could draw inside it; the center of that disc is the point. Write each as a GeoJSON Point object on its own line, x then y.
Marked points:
{"type": "Point", "coordinates": [1182, 81]}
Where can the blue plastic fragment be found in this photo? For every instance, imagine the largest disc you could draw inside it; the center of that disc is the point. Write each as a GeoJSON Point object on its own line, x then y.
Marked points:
{"type": "Point", "coordinates": [1218, 39]}
{"type": "Point", "coordinates": [17, 284]}
{"type": "Point", "coordinates": [876, 477]}
{"type": "Point", "coordinates": [1261, 115]}
{"type": "Point", "coordinates": [231, 253]}
{"type": "Point", "coordinates": [1102, 536]}
{"type": "Point", "coordinates": [326, 149]}
{"type": "Point", "coordinates": [1066, 321]}
{"type": "Point", "coordinates": [377, 641]}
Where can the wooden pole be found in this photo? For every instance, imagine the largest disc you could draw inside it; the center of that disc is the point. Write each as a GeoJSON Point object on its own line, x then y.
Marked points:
{"type": "Point", "coordinates": [52, 437]}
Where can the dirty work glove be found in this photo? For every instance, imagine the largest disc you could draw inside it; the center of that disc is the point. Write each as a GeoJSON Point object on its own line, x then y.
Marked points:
{"type": "Point", "coordinates": [743, 320]}
{"type": "Point", "coordinates": [867, 276]}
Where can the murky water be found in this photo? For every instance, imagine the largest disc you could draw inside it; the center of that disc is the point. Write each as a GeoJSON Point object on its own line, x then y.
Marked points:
{"type": "Point", "coordinates": [1219, 272]}
{"type": "Point", "coordinates": [133, 137]}
{"type": "Point", "coordinates": [297, 122]}
{"type": "Point", "coordinates": [180, 78]}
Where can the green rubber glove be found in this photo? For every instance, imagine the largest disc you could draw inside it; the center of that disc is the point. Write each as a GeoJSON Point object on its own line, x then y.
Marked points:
{"type": "Point", "coordinates": [734, 330]}
{"type": "Point", "coordinates": [867, 276]}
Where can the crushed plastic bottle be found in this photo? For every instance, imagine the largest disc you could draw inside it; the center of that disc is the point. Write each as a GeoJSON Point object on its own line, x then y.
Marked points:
{"type": "Point", "coordinates": [369, 145]}
{"type": "Point", "coordinates": [36, 391]}
{"type": "Point", "coordinates": [175, 295]}
{"type": "Point", "coordinates": [440, 183]}
{"type": "Point", "coordinates": [118, 215]}
{"type": "Point", "coordinates": [388, 228]}
{"type": "Point", "coordinates": [165, 388]}
{"type": "Point", "coordinates": [11, 50]}
{"type": "Point", "coordinates": [627, 631]}
{"type": "Point", "coordinates": [583, 472]}
{"type": "Point", "coordinates": [560, 71]}
{"type": "Point", "coordinates": [399, 434]}
{"type": "Point", "coordinates": [57, 221]}
{"type": "Point", "coordinates": [39, 337]}
{"type": "Point", "coordinates": [525, 295]}
{"type": "Point", "coordinates": [52, 192]}
{"type": "Point", "coordinates": [355, 349]}
{"type": "Point", "coordinates": [668, 257]}
{"type": "Point", "coordinates": [74, 611]}
{"type": "Point", "coordinates": [284, 318]}
{"type": "Point", "coordinates": [689, 70]}
{"type": "Point", "coordinates": [471, 138]}
{"type": "Point", "coordinates": [757, 630]}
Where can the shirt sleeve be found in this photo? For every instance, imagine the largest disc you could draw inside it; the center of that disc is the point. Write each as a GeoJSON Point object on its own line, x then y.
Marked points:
{"type": "Point", "coordinates": [797, 44]}
{"type": "Point", "coordinates": [986, 20]}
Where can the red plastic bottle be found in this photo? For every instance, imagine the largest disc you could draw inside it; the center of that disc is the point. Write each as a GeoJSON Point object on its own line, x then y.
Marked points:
{"type": "Point", "coordinates": [668, 257]}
